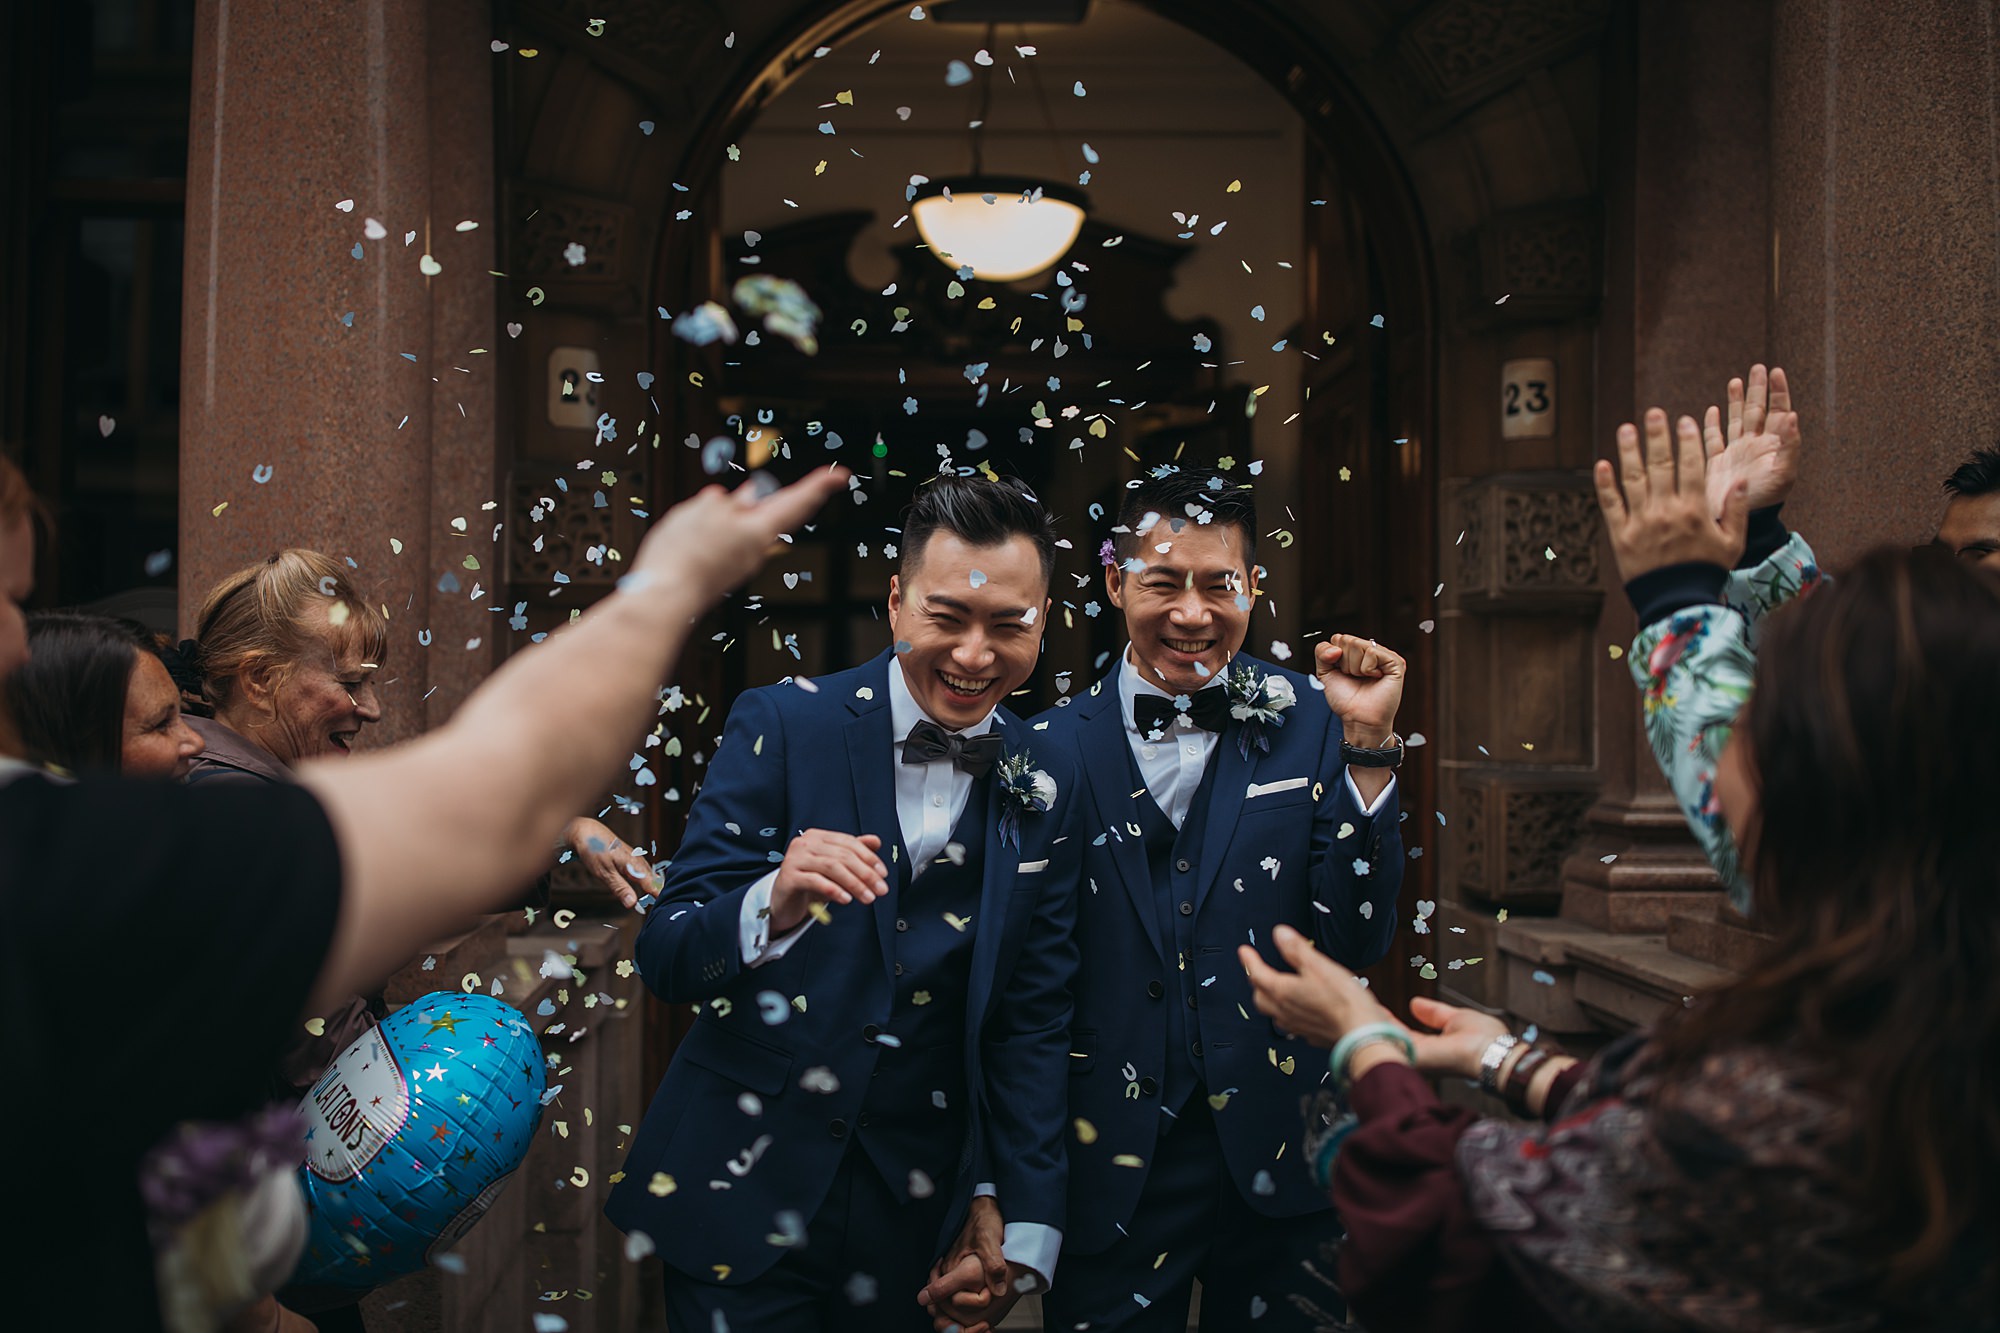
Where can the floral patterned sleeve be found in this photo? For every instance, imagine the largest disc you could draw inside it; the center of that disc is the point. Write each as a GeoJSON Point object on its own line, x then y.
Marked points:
{"type": "Point", "coordinates": [1694, 668]}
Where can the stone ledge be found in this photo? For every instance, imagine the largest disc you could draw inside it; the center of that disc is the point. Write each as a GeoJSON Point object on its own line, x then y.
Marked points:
{"type": "Point", "coordinates": [1628, 981]}
{"type": "Point", "coordinates": [1718, 937]}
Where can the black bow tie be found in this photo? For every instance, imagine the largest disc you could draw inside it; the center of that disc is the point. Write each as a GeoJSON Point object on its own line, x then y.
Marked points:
{"type": "Point", "coordinates": [928, 742]}
{"type": "Point", "coordinates": [1207, 709]}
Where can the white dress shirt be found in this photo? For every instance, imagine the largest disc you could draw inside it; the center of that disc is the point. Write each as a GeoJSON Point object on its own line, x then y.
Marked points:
{"type": "Point", "coordinates": [1171, 766]}
{"type": "Point", "coordinates": [929, 800]}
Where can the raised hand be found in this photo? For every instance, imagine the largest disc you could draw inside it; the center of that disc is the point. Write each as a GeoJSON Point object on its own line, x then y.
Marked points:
{"type": "Point", "coordinates": [1363, 684]}
{"type": "Point", "coordinates": [1760, 445]}
{"type": "Point", "coordinates": [715, 539]}
{"type": "Point", "coordinates": [823, 866]}
{"type": "Point", "coordinates": [618, 867]}
{"type": "Point", "coordinates": [1662, 517]}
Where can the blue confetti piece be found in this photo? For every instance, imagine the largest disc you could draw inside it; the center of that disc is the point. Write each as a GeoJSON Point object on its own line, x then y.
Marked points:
{"type": "Point", "coordinates": [957, 74]}
{"type": "Point", "coordinates": [646, 127]}
{"type": "Point", "coordinates": [356, 251]}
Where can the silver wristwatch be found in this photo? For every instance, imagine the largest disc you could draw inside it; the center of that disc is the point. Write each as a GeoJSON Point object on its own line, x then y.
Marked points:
{"type": "Point", "coordinates": [1494, 1056]}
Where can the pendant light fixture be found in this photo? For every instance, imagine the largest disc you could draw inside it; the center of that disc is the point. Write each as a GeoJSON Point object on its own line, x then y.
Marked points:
{"type": "Point", "coordinates": [1003, 228]}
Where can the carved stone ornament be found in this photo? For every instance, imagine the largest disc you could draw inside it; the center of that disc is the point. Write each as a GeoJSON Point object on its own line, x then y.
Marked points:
{"type": "Point", "coordinates": [1530, 538]}
{"type": "Point", "coordinates": [1514, 832]}
{"type": "Point", "coordinates": [577, 533]}
{"type": "Point", "coordinates": [1464, 49]}
{"type": "Point", "coordinates": [550, 220]}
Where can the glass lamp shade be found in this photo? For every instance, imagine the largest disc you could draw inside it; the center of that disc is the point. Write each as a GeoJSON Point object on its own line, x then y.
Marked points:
{"type": "Point", "coordinates": [1003, 227]}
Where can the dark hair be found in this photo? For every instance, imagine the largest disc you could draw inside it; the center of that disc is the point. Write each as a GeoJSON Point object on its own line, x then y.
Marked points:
{"type": "Point", "coordinates": [68, 700]}
{"type": "Point", "coordinates": [1977, 475]}
{"type": "Point", "coordinates": [1874, 733]}
{"type": "Point", "coordinates": [980, 512]}
{"type": "Point", "coordinates": [1169, 492]}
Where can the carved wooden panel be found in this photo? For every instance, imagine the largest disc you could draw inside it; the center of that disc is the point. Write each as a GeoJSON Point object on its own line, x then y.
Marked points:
{"type": "Point", "coordinates": [1464, 49]}
{"type": "Point", "coordinates": [547, 220]}
{"type": "Point", "coordinates": [653, 44]}
{"type": "Point", "coordinates": [578, 529]}
{"type": "Point", "coordinates": [1536, 265]}
{"type": "Point", "coordinates": [1531, 540]}
{"type": "Point", "coordinates": [1514, 832]}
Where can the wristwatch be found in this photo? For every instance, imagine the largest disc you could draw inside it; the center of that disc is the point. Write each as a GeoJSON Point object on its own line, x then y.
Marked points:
{"type": "Point", "coordinates": [1389, 756]}
{"type": "Point", "coordinates": [1492, 1058]}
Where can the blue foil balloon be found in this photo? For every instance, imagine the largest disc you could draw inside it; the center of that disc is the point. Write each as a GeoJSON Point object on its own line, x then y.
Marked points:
{"type": "Point", "coordinates": [411, 1134]}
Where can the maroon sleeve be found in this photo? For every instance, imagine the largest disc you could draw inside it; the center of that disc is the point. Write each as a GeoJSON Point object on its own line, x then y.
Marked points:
{"type": "Point", "coordinates": [1560, 1089]}
{"type": "Point", "coordinates": [1415, 1258]}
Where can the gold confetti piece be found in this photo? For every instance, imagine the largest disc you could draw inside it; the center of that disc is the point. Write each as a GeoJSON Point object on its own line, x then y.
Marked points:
{"type": "Point", "coordinates": [758, 748]}
{"type": "Point", "coordinates": [472, 562]}
{"type": "Point", "coordinates": [845, 97]}
{"type": "Point", "coordinates": [469, 982]}
{"type": "Point", "coordinates": [987, 303]}
{"type": "Point", "coordinates": [799, 1003]}
{"type": "Point", "coordinates": [1074, 324]}
{"type": "Point", "coordinates": [217, 511]}
{"type": "Point", "coordinates": [1128, 1159]}
{"type": "Point", "coordinates": [1217, 1100]}
{"type": "Point", "coordinates": [562, 1128]}
{"type": "Point", "coordinates": [337, 614]}
{"type": "Point", "coordinates": [1271, 1054]}
{"type": "Point", "coordinates": [818, 912]}
{"type": "Point", "coordinates": [1346, 475]}
{"type": "Point", "coordinates": [1157, 1262]}
{"type": "Point", "coordinates": [921, 997]}
{"type": "Point", "coordinates": [1288, 1064]}
{"type": "Point", "coordinates": [1502, 916]}
{"type": "Point", "coordinates": [530, 52]}
{"type": "Point", "coordinates": [694, 378]}
{"type": "Point", "coordinates": [625, 968]}
{"type": "Point", "coordinates": [562, 918]}
{"type": "Point", "coordinates": [820, 170]}
{"type": "Point", "coordinates": [1098, 428]}
{"type": "Point", "coordinates": [662, 1185]}
{"type": "Point", "coordinates": [957, 923]}
{"type": "Point", "coordinates": [316, 1026]}
{"type": "Point", "coordinates": [1527, 745]}
{"type": "Point", "coordinates": [615, 1177]}
{"type": "Point", "coordinates": [1616, 652]}
{"type": "Point", "coordinates": [721, 1271]}
{"type": "Point", "coordinates": [1234, 187]}
{"type": "Point", "coordinates": [1086, 1133]}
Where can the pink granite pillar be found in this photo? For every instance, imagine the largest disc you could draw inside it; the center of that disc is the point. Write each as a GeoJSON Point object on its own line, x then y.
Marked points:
{"type": "Point", "coordinates": [1885, 194]}
{"type": "Point", "coordinates": [334, 394]}
{"type": "Point", "coordinates": [1686, 209]}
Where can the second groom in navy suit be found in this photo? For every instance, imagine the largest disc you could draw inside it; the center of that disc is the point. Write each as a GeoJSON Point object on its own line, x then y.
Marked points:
{"type": "Point", "coordinates": [1224, 795]}
{"type": "Point", "coordinates": [872, 910]}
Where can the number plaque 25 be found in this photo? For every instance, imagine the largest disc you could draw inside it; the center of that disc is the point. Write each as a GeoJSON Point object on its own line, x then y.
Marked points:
{"type": "Point", "coordinates": [1528, 399]}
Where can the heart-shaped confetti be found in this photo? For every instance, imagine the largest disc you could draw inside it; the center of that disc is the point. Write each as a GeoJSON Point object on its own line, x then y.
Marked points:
{"type": "Point", "coordinates": [513, 330]}
{"type": "Point", "coordinates": [430, 266]}
{"type": "Point", "coordinates": [498, 46]}
{"type": "Point", "coordinates": [646, 127]}
{"type": "Point", "coordinates": [105, 425]}
{"type": "Point", "coordinates": [316, 1026]}
{"type": "Point", "coordinates": [957, 74]}
{"type": "Point", "coordinates": [345, 205]}
{"type": "Point", "coordinates": [374, 230]}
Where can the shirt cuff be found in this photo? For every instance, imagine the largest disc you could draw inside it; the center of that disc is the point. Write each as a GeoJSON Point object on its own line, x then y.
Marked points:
{"type": "Point", "coordinates": [1658, 593]}
{"type": "Point", "coordinates": [1765, 535]}
{"type": "Point", "coordinates": [753, 926]}
{"type": "Point", "coordinates": [1033, 1245]}
{"type": "Point", "coordinates": [1367, 807]}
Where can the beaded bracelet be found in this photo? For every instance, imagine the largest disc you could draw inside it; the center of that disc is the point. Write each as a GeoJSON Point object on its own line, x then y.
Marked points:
{"type": "Point", "coordinates": [1521, 1075]}
{"type": "Point", "coordinates": [1367, 1034]}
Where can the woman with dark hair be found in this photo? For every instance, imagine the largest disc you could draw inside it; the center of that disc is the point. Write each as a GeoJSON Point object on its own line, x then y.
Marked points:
{"type": "Point", "coordinates": [95, 697]}
{"type": "Point", "coordinates": [1815, 1145]}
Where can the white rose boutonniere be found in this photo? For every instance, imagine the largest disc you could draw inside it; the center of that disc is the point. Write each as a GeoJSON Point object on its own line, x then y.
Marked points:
{"type": "Point", "coordinates": [1257, 701]}
{"type": "Point", "coordinates": [1024, 790]}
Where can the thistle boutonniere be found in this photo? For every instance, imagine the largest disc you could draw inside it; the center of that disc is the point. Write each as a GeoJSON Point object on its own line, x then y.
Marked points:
{"type": "Point", "coordinates": [1257, 701]}
{"type": "Point", "coordinates": [1024, 790]}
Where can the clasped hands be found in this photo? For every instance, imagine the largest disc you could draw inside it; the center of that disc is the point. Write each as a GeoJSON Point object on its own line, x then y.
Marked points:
{"type": "Point", "coordinates": [974, 1285]}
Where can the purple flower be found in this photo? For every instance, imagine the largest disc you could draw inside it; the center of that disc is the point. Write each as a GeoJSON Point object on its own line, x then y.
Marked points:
{"type": "Point", "coordinates": [1107, 554]}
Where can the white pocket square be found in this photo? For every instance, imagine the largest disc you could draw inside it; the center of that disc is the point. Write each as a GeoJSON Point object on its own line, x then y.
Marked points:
{"type": "Point", "coordinates": [1030, 867]}
{"type": "Point", "coordinates": [1266, 788]}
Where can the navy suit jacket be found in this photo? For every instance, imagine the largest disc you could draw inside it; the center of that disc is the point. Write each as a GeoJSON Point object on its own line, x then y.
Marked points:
{"type": "Point", "coordinates": [792, 759]}
{"type": "Point", "coordinates": [1258, 808]}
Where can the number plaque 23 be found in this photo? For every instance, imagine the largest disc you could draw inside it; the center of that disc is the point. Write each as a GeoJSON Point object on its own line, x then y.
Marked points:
{"type": "Point", "coordinates": [1528, 399]}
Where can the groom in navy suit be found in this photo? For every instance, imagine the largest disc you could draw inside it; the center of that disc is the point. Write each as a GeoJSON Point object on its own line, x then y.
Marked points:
{"type": "Point", "coordinates": [872, 914]}
{"type": "Point", "coordinates": [1222, 798]}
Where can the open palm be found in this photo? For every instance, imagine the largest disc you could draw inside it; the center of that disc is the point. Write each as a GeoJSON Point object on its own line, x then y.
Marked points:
{"type": "Point", "coordinates": [1759, 444]}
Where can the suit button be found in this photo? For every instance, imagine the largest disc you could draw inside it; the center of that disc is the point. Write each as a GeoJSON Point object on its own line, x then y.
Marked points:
{"type": "Point", "coordinates": [863, 1120]}
{"type": "Point", "coordinates": [1194, 1001]}
{"type": "Point", "coordinates": [1187, 909]}
{"type": "Point", "coordinates": [1148, 1088]}
{"type": "Point", "coordinates": [902, 924]}
{"type": "Point", "coordinates": [838, 1129]}
{"type": "Point", "coordinates": [1197, 1050]}
{"type": "Point", "coordinates": [1182, 865]}
{"type": "Point", "coordinates": [869, 1033]}
{"type": "Point", "coordinates": [899, 969]}
{"type": "Point", "coordinates": [1155, 989]}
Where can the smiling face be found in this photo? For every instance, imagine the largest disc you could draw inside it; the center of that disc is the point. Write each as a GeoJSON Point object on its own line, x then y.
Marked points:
{"type": "Point", "coordinates": [968, 624]}
{"type": "Point", "coordinates": [1188, 610]}
{"type": "Point", "coordinates": [316, 708]}
{"type": "Point", "coordinates": [1971, 528]}
{"type": "Point", "coordinates": [156, 741]}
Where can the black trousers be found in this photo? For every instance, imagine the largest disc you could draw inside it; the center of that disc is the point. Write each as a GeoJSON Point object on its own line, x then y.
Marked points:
{"type": "Point", "coordinates": [865, 1258]}
{"type": "Point", "coordinates": [1260, 1274]}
